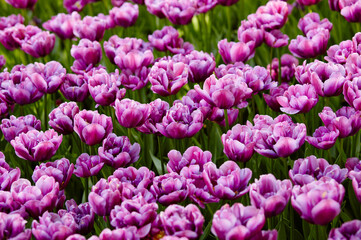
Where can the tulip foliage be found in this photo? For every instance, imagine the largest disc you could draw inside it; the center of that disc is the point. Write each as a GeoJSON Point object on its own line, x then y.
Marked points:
{"type": "Point", "coordinates": [180, 119]}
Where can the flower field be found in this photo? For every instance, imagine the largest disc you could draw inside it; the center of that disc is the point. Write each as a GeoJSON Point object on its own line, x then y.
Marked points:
{"type": "Point", "coordinates": [180, 119]}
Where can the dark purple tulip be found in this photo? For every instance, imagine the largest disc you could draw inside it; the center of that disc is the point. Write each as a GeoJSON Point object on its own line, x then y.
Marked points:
{"type": "Point", "coordinates": [306, 170]}
{"type": "Point", "coordinates": [348, 230]}
{"type": "Point", "coordinates": [3, 162]}
{"type": "Point", "coordinates": [105, 195]}
{"type": "Point", "coordinates": [169, 188]}
{"type": "Point", "coordinates": [272, 16]}
{"type": "Point", "coordinates": [129, 233]}
{"type": "Point", "coordinates": [164, 38]}
{"type": "Point", "coordinates": [204, 6]}
{"type": "Point", "coordinates": [53, 226]}
{"type": "Point", "coordinates": [238, 144]}
{"type": "Point", "coordinates": [314, 44]}
{"type": "Point", "coordinates": [2, 61]}
{"type": "Point", "coordinates": [288, 64]}
{"type": "Point", "coordinates": [11, 20]}
{"type": "Point", "coordinates": [61, 170]}
{"type": "Point", "coordinates": [232, 52]}
{"type": "Point", "coordinates": [74, 5]}
{"type": "Point", "coordinates": [318, 202]}
{"type": "Point", "coordinates": [192, 156]}
{"type": "Point", "coordinates": [87, 54]}
{"type": "Point", "coordinates": [134, 212]}
{"type": "Point", "coordinates": [39, 45]}
{"type": "Point", "coordinates": [266, 235]}
{"type": "Point", "coordinates": [226, 92]}
{"type": "Point", "coordinates": [62, 24]}
{"type": "Point", "coordinates": [168, 77]}
{"type": "Point", "coordinates": [179, 12]}
{"type": "Point", "coordinates": [347, 120]}
{"type": "Point", "coordinates": [237, 222]}
{"type": "Point", "coordinates": [182, 221]}
{"type": "Point", "coordinates": [352, 92]}
{"type": "Point", "coordinates": [22, 3]}
{"type": "Point", "coordinates": [279, 137]}
{"type": "Point", "coordinates": [257, 78]}
{"type": "Point", "coordinates": [83, 215]}
{"type": "Point", "coordinates": [62, 117]}
{"type": "Point", "coordinates": [132, 59]}
{"type": "Point", "coordinates": [12, 226]}
{"type": "Point", "coordinates": [227, 2]}
{"type": "Point", "coordinates": [353, 164]}
{"type": "Point", "coordinates": [155, 7]}
{"type": "Point", "coordinates": [350, 10]}
{"type": "Point", "coordinates": [124, 16]}
{"type": "Point", "coordinates": [334, 5]}
{"type": "Point", "coordinates": [12, 127]}
{"type": "Point", "coordinates": [353, 65]}
{"type": "Point", "coordinates": [118, 152]}
{"type": "Point", "coordinates": [130, 113]}
{"type": "Point", "coordinates": [54, 74]}
{"type": "Point", "coordinates": [270, 194]}
{"type": "Point", "coordinates": [339, 53]}
{"type": "Point", "coordinates": [271, 99]}
{"type": "Point", "coordinates": [276, 39]}
{"type": "Point", "coordinates": [158, 111]}
{"type": "Point", "coordinates": [356, 183]}
{"type": "Point", "coordinates": [11, 37]}
{"type": "Point", "coordinates": [307, 2]}
{"type": "Point", "coordinates": [249, 31]}
{"type": "Point", "coordinates": [92, 127]}
{"type": "Point", "coordinates": [180, 122]}
{"type": "Point", "coordinates": [117, 3]}
{"type": "Point", "coordinates": [217, 115]}
{"type": "Point", "coordinates": [36, 199]}
{"type": "Point", "coordinates": [298, 99]}
{"type": "Point", "coordinates": [87, 166]}
{"type": "Point", "coordinates": [9, 205]}
{"type": "Point", "coordinates": [75, 88]}
{"type": "Point", "coordinates": [324, 137]}
{"type": "Point", "coordinates": [201, 65]}
{"type": "Point", "coordinates": [136, 80]}
{"type": "Point", "coordinates": [37, 146]}
{"type": "Point", "coordinates": [91, 28]}
{"type": "Point", "coordinates": [7, 177]}
{"type": "Point", "coordinates": [312, 21]}
{"type": "Point", "coordinates": [227, 182]}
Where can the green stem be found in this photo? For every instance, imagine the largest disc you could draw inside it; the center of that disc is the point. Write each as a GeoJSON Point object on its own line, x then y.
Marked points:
{"type": "Point", "coordinates": [226, 119]}
{"type": "Point", "coordinates": [46, 111]}
{"type": "Point", "coordinates": [130, 135]}
{"type": "Point", "coordinates": [279, 67]}
{"type": "Point", "coordinates": [160, 153]}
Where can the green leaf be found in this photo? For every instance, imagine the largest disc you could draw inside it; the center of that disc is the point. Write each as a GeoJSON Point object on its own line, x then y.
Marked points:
{"type": "Point", "coordinates": [157, 163]}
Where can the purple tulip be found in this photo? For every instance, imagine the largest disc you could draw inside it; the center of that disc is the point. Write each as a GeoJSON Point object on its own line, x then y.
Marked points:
{"type": "Point", "coordinates": [270, 194]}
{"type": "Point", "coordinates": [159, 109]}
{"type": "Point", "coordinates": [232, 52]}
{"type": "Point", "coordinates": [288, 64]}
{"type": "Point", "coordinates": [12, 127]}
{"type": "Point", "coordinates": [307, 2]}
{"type": "Point", "coordinates": [353, 65]}
{"type": "Point", "coordinates": [271, 99]}
{"type": "Point", "coordinates": [241, 222]}
{"type": "Point", "coordinates": [334, 5]}
{"type": "Point", "coordinates": [155, 7]}
{"type": "Point", "coordinates": [62, 24]}
{"type": "Point", "coordinates": [355, 176]}
{"type": "Point", "coordinates": [10, 21]}
{"type": "Point", "coordinates": [179, 12]}
{"type": "Point", "coordinates": [356, 40]}
{"type": "Point", "coordinates": [3, 162]}
{"type": "Point", "coordinates": [62, 117]}
{"type": "Point", "coordinates": [227, 182]}
{"type": "Point", "coordinates": [75, 88]}
{"type": "Point", "coordinates": [201, 66]}
{"type": "Point", "coordinates": [9, 205]}
{"type": "Point", "coordinates": [37, 146]}
{"type": "Point", "coordinates": [92, 127]}
{"type": "Point", "coordinates": [346, 120]}
{"type": "Point", "coordinates": [314, 44]}
{"type": "Point", "coordinates": [75, 5]}
{"type": "Point", "coordinates": [227, 2]}
{"type": "Point", "coordinates": [36, 199]}
{"type": "Point", "coordinates": [124, 16]}
{"type": "Point", "coordinates": [141, 178]}
{"type": "Point", "coordinates": [105, 195]}
{"type": "Point", "coordinates": [169, 188]}
{"type": "Point", "coordinates": [217, 115]}
{"type": "Point", "coordinates": [12, 226]}
{"type": "Point", "coordinates": [91, 28]}
{"type": "Point", "coordinates": [257, 78]}
{"type": "Point", "coordinates": [39, 45]}
{"type": "Point", "coordinates": [238, 144]}
{"type": "Point", "coordinates": [324, 137]}
{"type": "Point", "coordinates": [182, 221]}
{"type": "Point", "coordinates": [53, 226]}
{"type": "Point", "coordinates": [272, 16]}
{"type": "Point", "coordinates": [318, 202]}
{"type": "Point", "coordinates": [276, 39]}
{"type": "Point", "coordinates": [87, 54]}
{"type": "Point", "coordinates": [87, 166]}
{"type": "Point", "coordinates": [298, 99]}
{"type": "Point", "coordinates": [22, 3]}
{"type": "Point", "coordinates": [306, 170]}
{"type": "Point", "coordinates": [352, 92]}
{"type": "Point", "coordinates": [132, 59]}
{"type": "Point", "coordinates": [312, 21]}
{"type": "Point", "coordinates": [279, 137]}
{"type": "Point", "coordinates": [136, 80]}
{"type": "Point", "coordinates": [130, 113]}
{"type": "Point", "coordinates": [348, 230]}
{"type": "Point", "coordinates": [129, 233]}
{"type": "Point", "coordinates": [249, 31]}
{"type": "Point", "coordinates": [227, 92]}
{"type": "Point", "coordinates": [2, 61]}
{"type": "Point", "coordinates": [7, 177]}
{"type": "Point", "coordinates": [134, 212]}
{"type": "Point", "coordinates": [168, 77]}
{"type": "Point", "coordinates": [340, 53]}
{"type": "Point", "coordinates": [11, 37]}
{"type": "Point", "coordinates": [350, 10]}
{"type": "Point", "coordinates": [61, 170]}
{"type": "Point", "coordinates": [180, 122]}
{"type": "Point", "coordinates": [117, 3]}
{"type": "Point", "coordinates": [83, 215]}
{"type": "Point", "coordinates": [164, 38]}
